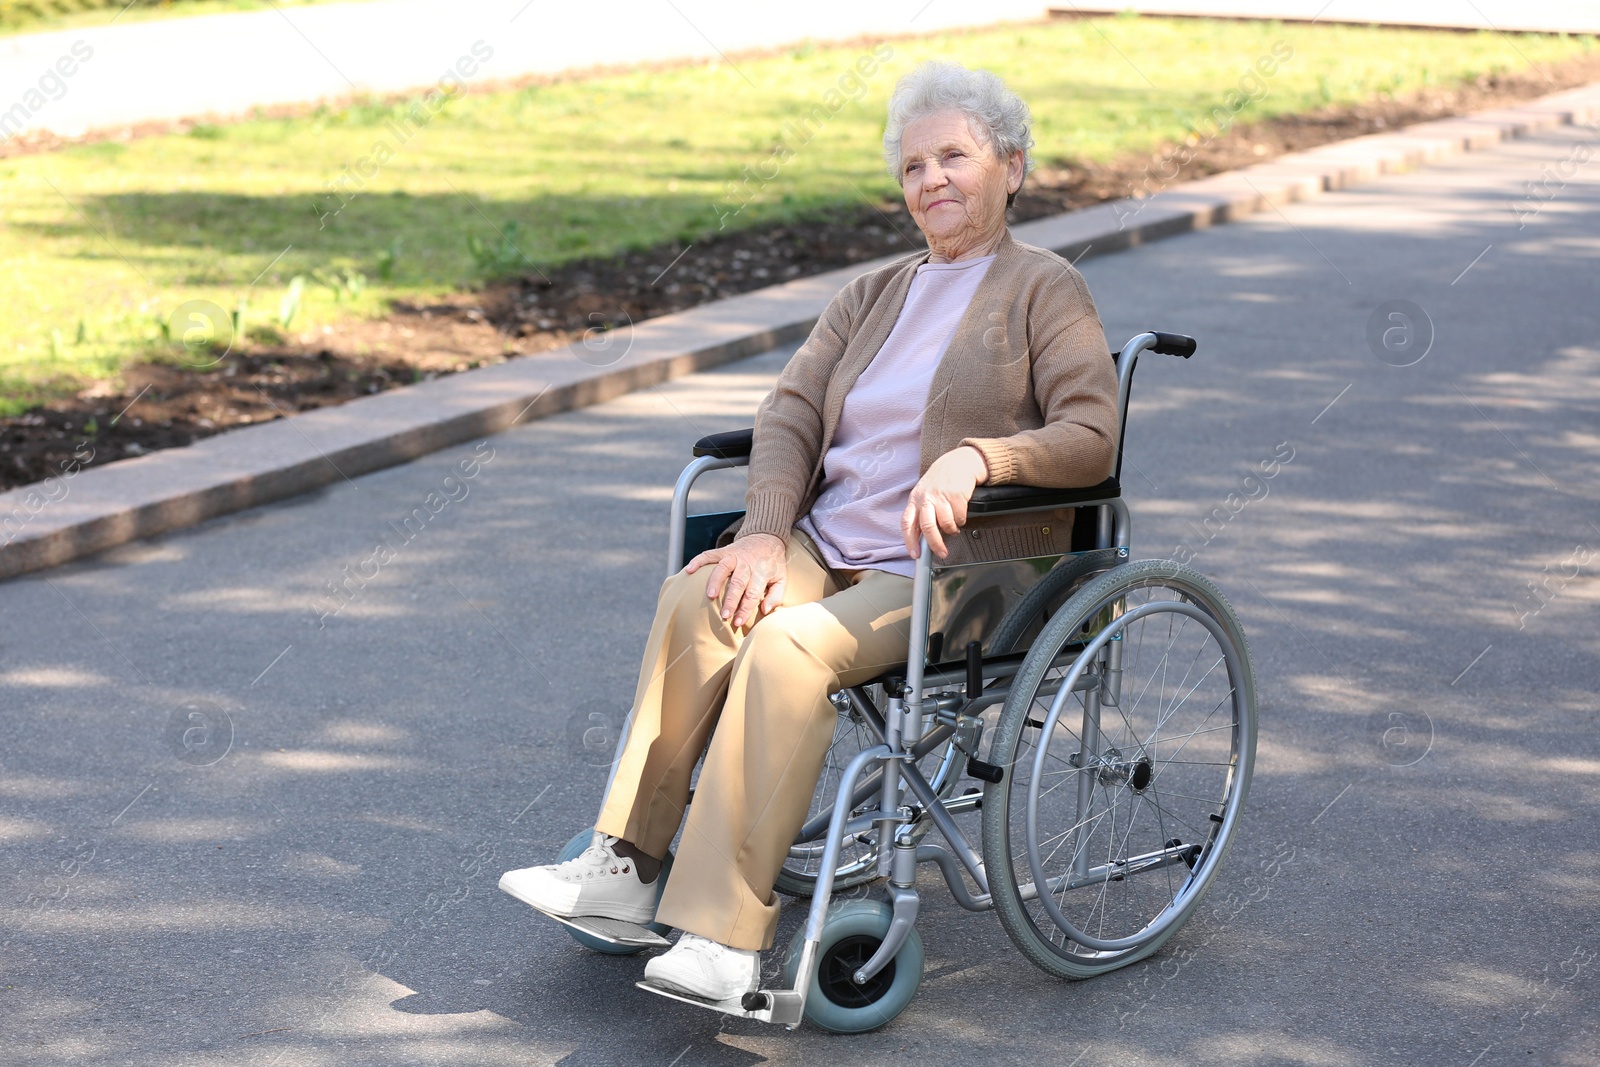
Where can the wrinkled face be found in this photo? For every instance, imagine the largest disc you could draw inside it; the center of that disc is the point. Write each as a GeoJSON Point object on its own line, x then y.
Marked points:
{"type": "Point", "coordinates": [955, 185]}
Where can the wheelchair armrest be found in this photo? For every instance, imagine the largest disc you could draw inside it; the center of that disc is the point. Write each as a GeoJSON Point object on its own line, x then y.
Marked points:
{"type": "Point", "coordinates": [1002, 499]}
{"type": "Point", "coordinates": [734, 444]}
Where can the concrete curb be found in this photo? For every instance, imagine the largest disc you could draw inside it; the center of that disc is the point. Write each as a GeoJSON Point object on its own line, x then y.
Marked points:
{"type": "Point", "coordinates": [79, 513]}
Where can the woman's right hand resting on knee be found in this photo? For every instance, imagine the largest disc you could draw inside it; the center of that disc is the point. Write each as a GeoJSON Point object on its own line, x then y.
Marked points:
{"type": "Point", "coordinates": [748, 575]}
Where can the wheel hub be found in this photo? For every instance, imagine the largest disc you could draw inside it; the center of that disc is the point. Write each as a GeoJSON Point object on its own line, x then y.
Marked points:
{"type": "Point", "coordinates": [836, 976]}
{"type": "Point", "coordinates": [1112, 769]}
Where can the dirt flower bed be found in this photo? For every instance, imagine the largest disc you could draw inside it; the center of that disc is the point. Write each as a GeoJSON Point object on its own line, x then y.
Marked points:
{"type": "Point", "coordinates": [166, 405]}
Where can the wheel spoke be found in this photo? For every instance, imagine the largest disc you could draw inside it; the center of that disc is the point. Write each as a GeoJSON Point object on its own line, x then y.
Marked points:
{"type": "Point", "coordinates": [1207, 719]}
{"type": "Point", "coordinates": [1187, 695]}
{"type": "Point", "coordinates": [1186, 672]}
{"type": "Point", "coordinates": [1179, 818]}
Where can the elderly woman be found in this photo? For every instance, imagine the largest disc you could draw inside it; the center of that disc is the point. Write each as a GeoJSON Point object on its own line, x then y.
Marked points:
{"type": "Point", "coordinates": [980, 361]}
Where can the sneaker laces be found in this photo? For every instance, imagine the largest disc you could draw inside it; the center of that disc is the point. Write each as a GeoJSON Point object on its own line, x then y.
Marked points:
{"type": "Point", "coordinates": [597, 856]}
{"type": "Point", "coordinates": [598, 853]}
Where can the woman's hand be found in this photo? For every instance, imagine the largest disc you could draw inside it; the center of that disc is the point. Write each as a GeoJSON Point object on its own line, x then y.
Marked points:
{"type": "Point", "coordinates": [749, 576]}
{"type": "Point", "coordinates": [939, 499]}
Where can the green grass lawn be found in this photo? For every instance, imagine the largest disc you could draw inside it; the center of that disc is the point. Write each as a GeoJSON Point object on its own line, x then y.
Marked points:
{"type": "Point", "coordinates": [102, 242]}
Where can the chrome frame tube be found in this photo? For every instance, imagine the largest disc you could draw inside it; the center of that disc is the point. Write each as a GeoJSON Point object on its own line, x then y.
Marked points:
{"type": "Point", "coordinates": [678, 523]}
{"type": "Point", "coordinates": [948, 867]}
{"type": "Point", "coordinates": [905, 723]}
{"type": "Point", "coordinates": [1122, 525]}
{"type": "Point", "coordinates": [813, 827]}
{"type": "Point", "coordinates": [905, 902]}
{"type": "Point", "coordinates": [1112, 518]}
{"type": "Point", "coordinates": [929, 799]}
{"type": "Point", "coordinates": [1127, 359]}
{"type": "Point", "coordinates": [823, 892]}
{"type": "Point", "coordinates": [917, 653]}
{"type": "Point", "coordinates": [947, 827]}
{"type": "Point", "coordinates": [889, 784]}
{"type": "Point", "coordinates": [1088, 754]}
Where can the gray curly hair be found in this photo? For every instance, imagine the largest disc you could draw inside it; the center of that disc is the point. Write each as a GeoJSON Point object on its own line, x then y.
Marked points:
{"type": "Point", "coordinates": [991, 109]}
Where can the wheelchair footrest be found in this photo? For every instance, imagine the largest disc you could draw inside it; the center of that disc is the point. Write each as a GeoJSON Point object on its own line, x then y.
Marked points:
{"type": "Point", "coordinates": [616, 931]}
{"type": "Point", "coordinates": [780, 1006]}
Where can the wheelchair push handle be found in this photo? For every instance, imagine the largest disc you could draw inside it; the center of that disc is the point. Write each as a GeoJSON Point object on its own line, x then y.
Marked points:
{"type": "Point", "coordinates": [736, 444]}
{"type": "Point", "coordinates": [1174, 344]}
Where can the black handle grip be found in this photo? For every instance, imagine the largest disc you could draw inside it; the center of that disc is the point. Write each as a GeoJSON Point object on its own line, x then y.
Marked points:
{"type": "Point", "coordinates": [988, 772]}
{"type": "Point", "coordinates": [1174, 344]}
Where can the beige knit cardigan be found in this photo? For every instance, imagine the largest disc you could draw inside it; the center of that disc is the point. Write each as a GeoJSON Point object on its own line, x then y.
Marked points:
{"type": "Point", "coordinates": [1027, 380]}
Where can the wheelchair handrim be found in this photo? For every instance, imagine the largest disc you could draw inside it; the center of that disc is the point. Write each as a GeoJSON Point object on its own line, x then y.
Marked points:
{"type": "Point", "coordinates": [1213, 849]}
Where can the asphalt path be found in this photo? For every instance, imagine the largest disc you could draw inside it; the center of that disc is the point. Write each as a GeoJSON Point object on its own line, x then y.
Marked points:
{"type": "Point", "coordinates": [242, 828]}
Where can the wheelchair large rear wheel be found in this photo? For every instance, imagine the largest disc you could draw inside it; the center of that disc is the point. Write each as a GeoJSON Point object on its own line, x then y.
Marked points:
{"type": "Point", "coordinates": [1128, 741]}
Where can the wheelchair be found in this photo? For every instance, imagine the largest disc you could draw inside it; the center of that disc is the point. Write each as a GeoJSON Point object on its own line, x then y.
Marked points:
{"type": "Point", "coordinates": [1102, 712]}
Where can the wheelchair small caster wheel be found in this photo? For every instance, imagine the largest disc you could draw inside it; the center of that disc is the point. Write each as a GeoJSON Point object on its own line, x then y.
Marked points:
{"type": "Point", "coordinates": [572, 851]}
{"type": "Point", "coordinates": [852, 933]}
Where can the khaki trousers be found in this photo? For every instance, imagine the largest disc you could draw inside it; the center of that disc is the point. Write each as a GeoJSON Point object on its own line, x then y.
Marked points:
{"type": "Point", "coordinates": [761, 694]}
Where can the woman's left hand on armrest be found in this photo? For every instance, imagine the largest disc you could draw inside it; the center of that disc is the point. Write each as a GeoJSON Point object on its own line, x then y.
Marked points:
{"type": "Point", "coordinates": [938, 502]}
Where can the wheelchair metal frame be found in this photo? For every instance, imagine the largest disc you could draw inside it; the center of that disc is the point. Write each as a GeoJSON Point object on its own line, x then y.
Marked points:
{"type": "Point", "coordinates": [906, 721]}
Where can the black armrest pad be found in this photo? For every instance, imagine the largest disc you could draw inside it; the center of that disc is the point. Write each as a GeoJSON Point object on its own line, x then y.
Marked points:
{"type": "Point", "coordinates": [1000, 499]}
{"type": "Point", "coordinates": [734, 444]}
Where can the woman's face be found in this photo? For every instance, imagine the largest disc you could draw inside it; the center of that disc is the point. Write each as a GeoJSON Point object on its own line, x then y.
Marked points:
{"type": "Point", "coordinates": [955, 186]}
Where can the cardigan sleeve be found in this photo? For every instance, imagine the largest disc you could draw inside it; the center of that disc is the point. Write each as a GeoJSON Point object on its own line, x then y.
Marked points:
{"type": "Point", "coordinates": [1075, 386]}
{"type": "Point", "coordinates": [789, 422]}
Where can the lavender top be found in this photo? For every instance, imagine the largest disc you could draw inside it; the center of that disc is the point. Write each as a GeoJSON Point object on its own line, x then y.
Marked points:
{"type": "Point", "coordinates": [872, 463]}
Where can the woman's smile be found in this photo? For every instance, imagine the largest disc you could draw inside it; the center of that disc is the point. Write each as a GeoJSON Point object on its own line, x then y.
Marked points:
{"type": "Point", "coordinates": [955, 185]}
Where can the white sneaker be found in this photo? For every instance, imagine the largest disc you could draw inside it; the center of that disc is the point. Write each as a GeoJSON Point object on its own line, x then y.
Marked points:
{"type": "Point", "coordinates": [598, 883]}
{"type": "Point", "coordinates": [699, 967]}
